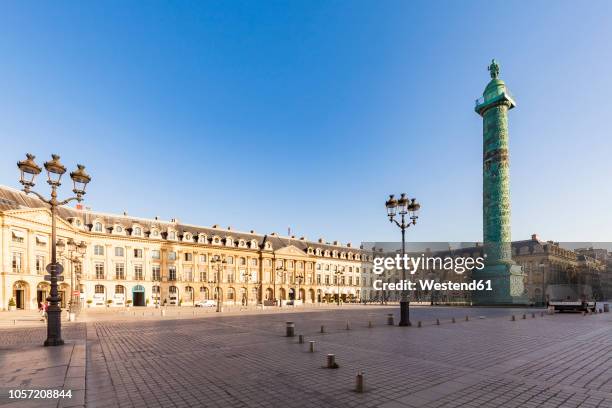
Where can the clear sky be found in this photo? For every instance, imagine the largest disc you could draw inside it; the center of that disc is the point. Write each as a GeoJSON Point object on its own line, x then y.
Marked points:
{"type": "Point", "coordinates": [264, 115]}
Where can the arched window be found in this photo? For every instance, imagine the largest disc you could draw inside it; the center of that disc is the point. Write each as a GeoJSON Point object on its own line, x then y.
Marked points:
{"type": "Point", "coordinates": [119, 289]}
{"type": "Point", "coordinates": [137, 231]}
{"type": "Point", "coordinates": [98, 227]}
{"type": "Point", "coordinates": [172, 289]}
{"type": "Point", "coordinates": [99, 289]}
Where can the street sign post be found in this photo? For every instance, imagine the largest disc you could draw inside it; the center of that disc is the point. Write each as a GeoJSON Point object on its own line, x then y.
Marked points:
{"type": "Point", "coordinates": [55, 266]}
{"type": "Point", "coordinates": [59, 278]}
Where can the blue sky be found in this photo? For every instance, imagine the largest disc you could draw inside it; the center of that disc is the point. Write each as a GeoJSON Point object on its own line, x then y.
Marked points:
{"type": "Point", "coordinates": [264, 115]}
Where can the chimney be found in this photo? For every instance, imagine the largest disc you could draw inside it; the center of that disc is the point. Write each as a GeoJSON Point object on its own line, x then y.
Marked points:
{"type": "Point", "coordinates": [302, 238]}
{"type": "Point", "coordinates": [174, 220]}
{"type": "Point", "coordinates": [252, 231]}
{"type": "Point", "coordinates": [156, 218]}
{"type": "Point", "coordinates": [273, 234]}
{"type": "Point", "coordinates": [320, 240]}
{"type": "Point", "coordinates": [215, 226]}
{"type": "Point", "coordinates": [125, 213]}
{"type": "Point", "coordinates": [349, 245]}
{"type": "Point", "coordinates": [229, 228]}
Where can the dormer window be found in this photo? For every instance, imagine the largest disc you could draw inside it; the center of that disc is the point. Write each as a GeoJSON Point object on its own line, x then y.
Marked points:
{"type": "Point", "coordinates": [98, 227]}
{"type": "Point", "coordinates": [326, 252]}
{"type": "Point", "coordinates": [137, 231]}
{"type": "Point", "coordinates": [202, 238]}
{"type": "Point", "coordinates": [216, 240]}
{"type": "Point", "coordinates": [268, 246]}
{"type": "Point", "coordinates": [310, 251]}
{"type": "Point", "coordinates": [254, 243]}
{"type": "Point", "coordinates": [119, 229]}
{"type": "Point", "coordinates": [171, 235]}
{"type": "Point", "coordinates": [77, 222]}
{"type": "Point", "coordinates": [242, 243]}
{"type": "Point", "coordinates": [155, 233]}
{"type": "Point", "coordinates": [187, 237]}
{"type": "Point", "coordinates": [318, 251]}
{"type": "Point", "coordinates": [229, 241]}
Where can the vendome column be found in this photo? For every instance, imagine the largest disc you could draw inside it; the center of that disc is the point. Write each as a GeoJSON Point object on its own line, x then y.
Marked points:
{"type": "Point", "coordinates": [506, 276]}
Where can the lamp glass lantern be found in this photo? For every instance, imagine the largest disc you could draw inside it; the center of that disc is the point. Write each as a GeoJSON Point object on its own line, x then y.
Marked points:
{"type": "Point", "coordinates": [391, 205]}
{"type": "Point", "coordinates": [29, 170]}
{"type": "Point", "coordinates": [55, 170]}
{"type": "Point", "coordinates": [402, 204]}
{"type": "Point", "coordinates": [80, 178]}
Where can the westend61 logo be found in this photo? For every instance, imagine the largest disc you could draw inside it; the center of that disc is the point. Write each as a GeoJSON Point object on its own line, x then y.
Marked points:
{"type": "Point", "coordinates": [412, 265]}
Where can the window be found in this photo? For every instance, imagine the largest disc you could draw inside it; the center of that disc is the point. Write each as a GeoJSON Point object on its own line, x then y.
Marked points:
{"type": "Point", "coordinates": [318, 279]}
{"type": "Point", "coordinates": [230, 277]}
{"type": "Point", "coordinates": [318, 267]}
{"type": "Point", "coordinates": [41, 241]}
{"type": "Point", "coordinates": [327, 267]}
{"type": "Point", "coordinates": [40, 264]}
{"type": "Point", "coordinates": [119, 289]}
{"type": "Point", "coordinates": [188, 274]}
{"type": "Point", "coordinates": [155, 273]}
{"type": "Point", "coordinates": [155, 233]}
{"type": "Point", "coordinates": [119, 271]}
{"type": "Point", "coordinates": [171, 235]}
{"type": "Point", "coordinates": [119, 251]}
{"type": "Point", "coordinates": [279, 263]}
{"type": "Point", "coordinates": [155, 289]}
{"type": "Point", "coordinates": [17, 261]}
{"type": "Point", "coordinates": [242, 261]}
{"type": "Point", "coordinates": [172, 256]}
{"type": "Point", "coordinates": [350, 280]}
{"type": "Point", "coordinates": [137, 253]}
{"type": "Point", "coordinates": [290, 264]}
{"type": "Point", "coordinates": [327, 279]}
{"type": "Point", "coordinates": [138, 272]}
{"type": "Point", "coordinates": [268, 263]}
{"type": "Point", "coordinates": [119, 228]}
{"type": "Point", "coordinates": [137, 231]}
{"type": "Point", "coordinates": [98, 250]}
{"type": "Point", "coordinates": [188, 257]}
{"type": "Point", "coordinates": [300, 265]}
{"type": "Point", "coordinates": [155, 254]}
{"type": "Point", "coordinates": [98, 228]}
{"type": "Point", "coordinates": [202, 258]}
{"type": "Point", "coordinates": [357, 280]}
{"type": "Point", "coordinates": [229, 260]}
{"type": "Point", "coordinates": [99, 271]}
{"type": "Point", "coordinates": [99, 289]}
{"type": "Point", "coordinates": [253, 262]}
{"type": "Point", "coordinates": [203, 276]}
{"type": "Point", "coordinates": [172, 273]}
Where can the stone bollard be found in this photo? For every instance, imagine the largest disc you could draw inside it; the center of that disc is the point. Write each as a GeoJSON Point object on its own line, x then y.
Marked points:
{"type": "Point", "coordinates": [290, 329]}
{"type": "Point", "coordinates": [348, 326]}
{"type": "Point", "coordinates": [331, 361]}
{"type": "Point", "coordinates": [467, 318]}
{"type": "Point", "coordinates": [322, 329]}
{"type": "Point", "coordinates": [524, 316]}
{"type": "Point", "coordinates": [437, 322]}
{"type": "Point", "coordinates": [301, 339]}
{"type": "Point", "coordinates": [513, 318]}
{"type": "Point", "coordinates": [453, 320]}
{"type": "Point", "coordinates": [390, 319]}
{"type": "Point", "coordinates": [359, 383]}
{"type": "Point", "coordinates": [311, 344]}
{"type": "Point", "coordinates": [419, 324]}
{"type": "Point", "coordinates": [600, 311]}
{"type": "Point", "coordinates": [541, 314]}
{"type": "Point", "coordinates": [369, 324]}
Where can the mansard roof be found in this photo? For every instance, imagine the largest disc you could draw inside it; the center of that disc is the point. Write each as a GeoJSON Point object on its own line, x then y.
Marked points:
{"type": "Point", "coordinates": [12, 199]}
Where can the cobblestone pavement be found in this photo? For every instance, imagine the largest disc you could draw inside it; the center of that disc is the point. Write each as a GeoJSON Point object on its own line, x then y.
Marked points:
{"type": "Point", "coordinates": [244, 361]}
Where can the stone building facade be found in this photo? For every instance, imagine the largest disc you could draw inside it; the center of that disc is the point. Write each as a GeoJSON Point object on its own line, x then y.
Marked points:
{"type": "Point", "coordinates": [143, 262]}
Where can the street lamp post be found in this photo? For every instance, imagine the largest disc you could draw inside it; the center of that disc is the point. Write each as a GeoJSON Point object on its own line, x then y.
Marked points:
{"type": "Point", "coordinates": [219, 263]}
{"type": "Point", "coordinates": [279, 272]}
{"type": "Point", "coordinates": [299, 279]}
{"type": "Point", "coordinates": [338, 274]}
{"type": "Point", "coordinates": [74, 253]}
{"type": "Point", "coordinates": [403, 207]}
{"type": "Point", "coordinates": [543, 266]}
{"type": "Point", "coordinates": [55, 169]}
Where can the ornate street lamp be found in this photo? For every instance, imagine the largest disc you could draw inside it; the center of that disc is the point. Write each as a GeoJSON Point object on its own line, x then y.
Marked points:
{"type": "Point", "coordinates": [55, 169]}
{"type": "Point", "coordinates": [407, 209]}
{"type": "Point", "coordinates": [74, 253]}
{"type": "Point", "coordinates": [219, 263]}
{"type": "Point", "coordinates": [279, 272]}
{"type": "Point", "coordinates": [299, 278]}
{"type": "Point", "coordinates": [339, 272]}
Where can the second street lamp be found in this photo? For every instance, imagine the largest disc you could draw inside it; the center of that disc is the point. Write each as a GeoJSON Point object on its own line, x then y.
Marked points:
{"type": "Point", "coordinates": [407, 209]}
{"type": "Point", "coordinates": [219, 263]}
{"type": "Point", "coordinates": [339, 273]}
{"type": "Point", "coordinates": [73, 253]}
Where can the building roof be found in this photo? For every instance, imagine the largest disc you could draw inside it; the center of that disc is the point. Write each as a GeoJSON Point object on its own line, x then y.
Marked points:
{"type": "Point", "coordinates": [12, 199]}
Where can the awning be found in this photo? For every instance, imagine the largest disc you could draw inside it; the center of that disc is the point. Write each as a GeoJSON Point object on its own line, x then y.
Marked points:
{"type": "Point", "coordinates": [41, 240]}
{"type": "Point", "coordinates": [18, 234]}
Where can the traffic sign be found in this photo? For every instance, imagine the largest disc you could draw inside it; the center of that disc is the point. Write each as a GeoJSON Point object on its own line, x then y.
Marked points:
{"type": "Point", "coordinates": [57, 266]}
{"type": "Point", "coordinates": [75, 293]}
{"type": "Point", "coordinates": [59, 278]}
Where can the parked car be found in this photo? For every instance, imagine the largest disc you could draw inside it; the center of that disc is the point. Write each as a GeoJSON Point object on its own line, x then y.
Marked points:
{"type": "Point", "coordinates": [205, 303]}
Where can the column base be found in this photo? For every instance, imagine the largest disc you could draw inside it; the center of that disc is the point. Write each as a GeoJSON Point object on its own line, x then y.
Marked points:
{"type": "Point", "coordinates": [506, 283]}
